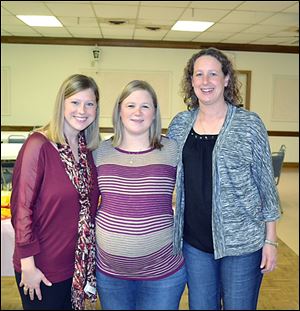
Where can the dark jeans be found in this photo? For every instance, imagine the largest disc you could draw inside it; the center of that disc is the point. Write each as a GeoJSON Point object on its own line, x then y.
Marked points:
{"type": "Point", "coordinates": [229, 283]}
{"type": "Point", "coordinates": [55, 297]}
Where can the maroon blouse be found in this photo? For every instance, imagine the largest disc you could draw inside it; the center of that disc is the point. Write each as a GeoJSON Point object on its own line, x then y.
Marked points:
{"type": "Point", "coordinates": [45, 209]}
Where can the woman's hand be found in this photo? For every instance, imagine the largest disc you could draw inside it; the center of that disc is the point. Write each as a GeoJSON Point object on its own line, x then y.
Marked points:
{"type": "Point", "coordinates": [31, 278]}
{"type": "Point", "coordinates": [269, 258]}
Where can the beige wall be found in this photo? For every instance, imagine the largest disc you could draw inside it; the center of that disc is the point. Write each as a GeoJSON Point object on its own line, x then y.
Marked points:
{"type": "Point", "coordinates": [36, 72]}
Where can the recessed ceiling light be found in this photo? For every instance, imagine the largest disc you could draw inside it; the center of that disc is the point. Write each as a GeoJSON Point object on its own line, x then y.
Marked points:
{"type": "Point", "coordinates": [40, 20]}
{"type": "Point", "coordinates": [191, 26]}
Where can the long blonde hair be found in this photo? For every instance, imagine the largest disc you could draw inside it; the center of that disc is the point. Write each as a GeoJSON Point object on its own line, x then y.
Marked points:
{"type": "Point", "coordinates": [54, 129]}
{"type": "Point", "coordinates": [155, 129]}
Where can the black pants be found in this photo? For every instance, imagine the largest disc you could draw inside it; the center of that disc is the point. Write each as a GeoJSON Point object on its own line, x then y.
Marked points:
{"type": "Point", "coordinates": [55, 297]}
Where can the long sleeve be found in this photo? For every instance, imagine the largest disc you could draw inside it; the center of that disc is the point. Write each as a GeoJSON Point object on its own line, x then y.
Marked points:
{"type": "Point", "coordinates": [27, 178]}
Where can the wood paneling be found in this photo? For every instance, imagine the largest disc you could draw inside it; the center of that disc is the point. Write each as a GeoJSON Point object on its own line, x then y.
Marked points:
{"type": "Point", "coordinates": [151, 44]}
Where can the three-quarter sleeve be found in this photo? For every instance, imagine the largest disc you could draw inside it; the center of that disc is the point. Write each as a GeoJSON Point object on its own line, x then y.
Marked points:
{"type": "Point", "coordinates": [263, 171]}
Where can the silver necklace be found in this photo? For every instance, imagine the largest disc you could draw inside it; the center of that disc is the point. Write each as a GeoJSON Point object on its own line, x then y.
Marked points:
{"type": "Point", "coordinates": [131, 160]}
{"type": "Point", "coordinates": [132, 156]}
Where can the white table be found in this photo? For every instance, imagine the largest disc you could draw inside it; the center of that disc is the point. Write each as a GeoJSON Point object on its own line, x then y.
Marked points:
{"type": "Point", "coordinates": [7, 247]}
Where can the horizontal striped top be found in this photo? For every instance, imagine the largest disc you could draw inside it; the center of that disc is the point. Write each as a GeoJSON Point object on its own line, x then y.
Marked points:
{"type": "Point", "coordinates": [134, 224]}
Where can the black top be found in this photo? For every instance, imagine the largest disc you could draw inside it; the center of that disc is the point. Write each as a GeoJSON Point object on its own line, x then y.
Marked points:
{"type": "Point", "coordinates": [197, 162]}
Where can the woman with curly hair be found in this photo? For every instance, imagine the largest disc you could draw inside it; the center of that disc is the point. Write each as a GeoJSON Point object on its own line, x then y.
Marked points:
{"type": "Point", "coordinates": [226, 198]}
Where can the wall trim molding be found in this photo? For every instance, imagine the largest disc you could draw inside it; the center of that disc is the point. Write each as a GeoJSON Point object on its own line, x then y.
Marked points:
{"type": "Point", "coordinates": [26, 128]}
{"type": "Point", "coordinates": [290, 165]}
{"type": "Point", "coordinates": [150, 44]}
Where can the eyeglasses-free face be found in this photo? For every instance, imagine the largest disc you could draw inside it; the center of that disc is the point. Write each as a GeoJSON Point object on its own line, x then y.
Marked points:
{"type": "Point", "coordinates": [137, 113]}
{"type": "Point", "coordinates": [80, 110]}
{"type": "Point", "coordinates": [208, 80]}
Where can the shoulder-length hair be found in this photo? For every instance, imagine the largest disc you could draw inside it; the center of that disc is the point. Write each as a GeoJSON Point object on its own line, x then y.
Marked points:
{"type": "Point", "coordinates": [231, 91]}
{"type": "Point", "coordinates": [54, 130]}
{"type": "Point", "coordinates": [155, 129]}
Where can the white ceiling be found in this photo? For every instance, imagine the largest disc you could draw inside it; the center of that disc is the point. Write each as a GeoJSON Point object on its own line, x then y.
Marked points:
{"type": "Point", "coordinates": [236, 22]}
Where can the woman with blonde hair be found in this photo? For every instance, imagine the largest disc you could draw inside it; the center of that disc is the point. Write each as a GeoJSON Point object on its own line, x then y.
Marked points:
{"type": "Point", "coordinates": [54, 201]}
{"type": "Point", "coordinates": [136, 267]}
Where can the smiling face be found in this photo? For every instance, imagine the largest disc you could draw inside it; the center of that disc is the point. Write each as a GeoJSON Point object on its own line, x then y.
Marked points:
{"type": "Point", "coordinates": [80, 111]}
{"type": "Point", "coordinates": [137, 113]}
{"type": "Point", "coordinates": [208, 80]}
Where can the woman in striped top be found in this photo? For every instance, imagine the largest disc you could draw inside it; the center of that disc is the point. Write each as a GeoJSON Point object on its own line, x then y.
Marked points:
{"type": "Point", "coordinates": [136, 265]}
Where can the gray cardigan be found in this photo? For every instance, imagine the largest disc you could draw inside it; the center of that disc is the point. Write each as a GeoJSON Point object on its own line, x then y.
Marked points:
{"type": "Point", "coordinates": [244, 194]}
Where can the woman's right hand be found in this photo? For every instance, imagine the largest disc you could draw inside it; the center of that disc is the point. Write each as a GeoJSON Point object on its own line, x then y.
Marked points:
{"type": "Point", "coordinates": [31, 278]}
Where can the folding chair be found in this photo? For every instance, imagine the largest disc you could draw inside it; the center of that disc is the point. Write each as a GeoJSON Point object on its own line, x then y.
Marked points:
{"type": "Point", "coordinates": [277, 161]}
{"type": "Point", "coordinates": [6, 174]}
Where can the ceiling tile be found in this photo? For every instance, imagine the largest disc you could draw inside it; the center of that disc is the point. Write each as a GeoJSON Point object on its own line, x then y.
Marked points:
{"type": "Point", "coordinates": [220, 5]}
{"type": "Point", "coordinates": [11, 20]}
{"type": "Point", "coordinates": [117, 31]}
{"type": "Point", "coordinates": [160, 13]}
{"type": "Point", "coordinates": [292, 9]}
{"type": "Point", "coordinates": [52, 31]}
{"type": "Point", "coordinates": [177, 4]}
{"type": "Point", "coordinates": [149, 35]}
{"type": "Point", "coordinates": [79, 21]}
{"type": "Point", "coordinates": [213, 36]}
{"type": "Point", "coordinates": [245, 17]}
{"type": "Point", "coordinates": [17, 30]}
{"type": "Point", "coordinates": [246, 38]}
{"type": "Point", "coordinates": [235, 21]}
{"type": "Point", "coordinates": [26, 8]}
{"type": "Point", "coordinates": [113, 11]}
{"type": "Point", "coordinates": [264, 29]}
{"type": "Point", "coordinates": [203, 15]}
{"type": "Point", "coordinates": [265, 6]}
{"type": "Point", "coordinates": [85, 32]}
{"type": "Point", "coordinates": [188, 36]}
{"type": "Point", "coordinates": [227, 27]}
{"type": "Point", "coordinates": [155, 22]}
{"type": "Point", "coordinates": [70, 9]}
{"type": "Point", "coordinates": [287, 19]}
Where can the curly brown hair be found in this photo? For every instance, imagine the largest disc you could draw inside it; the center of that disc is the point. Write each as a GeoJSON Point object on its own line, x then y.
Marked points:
{"type": "Point", "coordinates": [231, 92]}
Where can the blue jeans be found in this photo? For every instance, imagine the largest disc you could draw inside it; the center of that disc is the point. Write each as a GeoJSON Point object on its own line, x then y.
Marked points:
{"type": "Point", "coordinates": [229, 283]}
{"type": "Point", "coordinates": [120, 294]}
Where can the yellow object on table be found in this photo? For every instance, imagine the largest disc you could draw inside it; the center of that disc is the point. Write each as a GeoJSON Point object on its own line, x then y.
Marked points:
{"type": "Point", "coordinates": [5, 204]}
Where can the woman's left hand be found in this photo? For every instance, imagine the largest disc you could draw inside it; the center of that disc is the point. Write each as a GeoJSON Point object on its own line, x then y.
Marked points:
{"type": "Point", "coordinates": [269, 258]}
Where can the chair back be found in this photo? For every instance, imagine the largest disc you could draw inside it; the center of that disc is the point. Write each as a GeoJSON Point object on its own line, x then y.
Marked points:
{"type": "Point", "coordinates": [6, 174]}
{"type": "Point", "coordinates": [277, 161]}
{"type": "Point", "coordinates": [17, 139]}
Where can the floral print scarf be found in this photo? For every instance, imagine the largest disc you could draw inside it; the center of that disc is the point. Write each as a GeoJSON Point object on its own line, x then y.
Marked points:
{"type": "Point", "coordinates": [84, 280]}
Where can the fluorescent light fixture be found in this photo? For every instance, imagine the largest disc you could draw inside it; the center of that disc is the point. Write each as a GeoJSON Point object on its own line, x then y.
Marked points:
{"type": "Point", "coordinates": [40, 20]}
{"type": "Point", "coordinates": [191, 26]}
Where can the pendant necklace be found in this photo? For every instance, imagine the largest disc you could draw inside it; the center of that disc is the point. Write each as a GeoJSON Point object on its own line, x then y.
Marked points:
{"type": "Point", "coordinates": [131, 161]}
{"type": "Point", "coordinates": [132, 155]}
